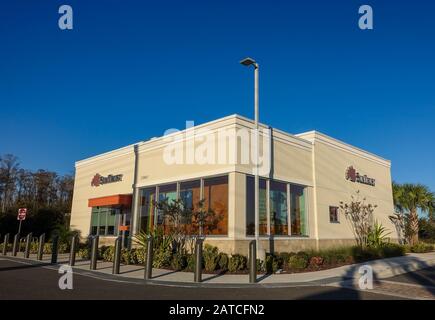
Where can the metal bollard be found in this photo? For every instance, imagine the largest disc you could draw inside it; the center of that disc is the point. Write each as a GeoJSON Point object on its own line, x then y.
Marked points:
{"type": "Point", "coordinates": [94, 254]}
{"type": "Point", "coordinates": [54, 248]}
{"type": "Point", "coordinates": [41, 246]}
{"type": "Point", "coordinates": [27, 248]}
{"type": "Point", "coordinates": [5, 244]}
{"type": "Point", "coordinates": [117, 255]}
{"type": "Point", "coordinates": [252, 261]}
{"type": "Point", "coordinates": [149, 259]}
{"type": "Point", "coordinates": [198, 260]}
{"type": "Point", "coordinates": [16, 244]}
{"type": "Point", "coordinates": [72, 252]}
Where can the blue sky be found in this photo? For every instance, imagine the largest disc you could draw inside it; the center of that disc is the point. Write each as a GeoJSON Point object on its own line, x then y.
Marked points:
{"type": "Point", "coordinates": [129, 70]}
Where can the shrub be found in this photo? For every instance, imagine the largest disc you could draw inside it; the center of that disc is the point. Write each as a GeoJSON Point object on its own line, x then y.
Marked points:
{"type": "Point", "coordinates": [223, 261]}
{"type": "Point", "coordinates": [335, 256]}
{"type": "Point", "coordinates": [179, 261]}
{"type": "Point", "coordinates": [84, 253]}
{"type": "Point", "coordinates": [140, 255]}
{"type": "Point", "coordinates": [316, 262]}
{"type": "Point", "coordinates": [190, 262]}
{"type": "Point", "coordinates": [284, 256]}
{"type": "Point", "coordinates": [273, 263]}
{"type": "Point", "coordinates": [126, 256]}
{"type": "Point", "coordinates": [108, 253]}
{"type": "Point", "coordinates": [260, 266]}
{"type": "Point", "coordinates": [47, 248]}
{"type": "Point", "coordinates": [211, 257]}
{"type": "Point", "coordinates": [421, 247]}
{"type": "Point", "coordinates": [392, 250]}
{"type": "Point", "coordinates": [162, 258]}
{"type": "Point", "coordinates": [298, 262]}
{"type": "Point", "coordinates": [237, 262]}
{"type": "Point", "coordinates": [361, 254]}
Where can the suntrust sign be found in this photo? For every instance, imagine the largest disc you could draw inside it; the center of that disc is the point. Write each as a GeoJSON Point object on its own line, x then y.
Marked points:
{"type": "Point", "coordinates": [354, 176]}
{"type": "Point", "coordinates": [98, 179]}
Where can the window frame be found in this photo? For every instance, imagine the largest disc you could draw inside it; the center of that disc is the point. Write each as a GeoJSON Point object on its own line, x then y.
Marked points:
{"type": "Point", "coordinates": [201, 191]}
{"type": "Point", "coordinates": [288, 187]}
{"type": "Point", "coordinates": [337, 213]}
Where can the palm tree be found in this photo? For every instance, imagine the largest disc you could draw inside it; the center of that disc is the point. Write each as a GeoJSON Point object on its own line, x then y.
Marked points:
{"type": "Point", "coordinates": [409, 198]}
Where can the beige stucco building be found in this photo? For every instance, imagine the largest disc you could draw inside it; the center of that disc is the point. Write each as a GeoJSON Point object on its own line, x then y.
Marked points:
{"type": "Point", "coordinates": [303, 179]}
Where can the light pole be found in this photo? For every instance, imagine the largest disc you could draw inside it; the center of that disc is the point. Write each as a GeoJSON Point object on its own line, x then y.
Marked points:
{"type": "Point", "coordinates": [251, 62]}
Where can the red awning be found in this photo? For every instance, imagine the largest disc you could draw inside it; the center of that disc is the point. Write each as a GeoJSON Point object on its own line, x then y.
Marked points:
{"type": "Point", "coordinates": [113, 200]}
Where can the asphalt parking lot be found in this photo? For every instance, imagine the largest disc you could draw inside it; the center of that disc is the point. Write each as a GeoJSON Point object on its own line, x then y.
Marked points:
{"type": "Point", "coordinates": [23, 280]}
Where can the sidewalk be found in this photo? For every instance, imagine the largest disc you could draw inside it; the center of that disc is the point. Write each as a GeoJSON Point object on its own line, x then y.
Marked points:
{"type": "Point", "coordinates": [382, 269]}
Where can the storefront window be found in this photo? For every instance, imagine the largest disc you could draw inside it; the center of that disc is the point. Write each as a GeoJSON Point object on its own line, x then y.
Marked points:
{"type": "Point", "coordinates": [278, 208]}
{"type": "Point", "coordinates": [147, 198]}
{"type": "Point", "coordinates": [250, 207]}
{"type": "Point", "coordinates": [297, 211]}
{"type": "Point", "coordinates": [166, 193]}
{"type": "Point", "coordinates": [104, 221]}
{"type": "Point", "coordinates": [190, 195]}
{"type": "Point", "coordinates": [216, 200]}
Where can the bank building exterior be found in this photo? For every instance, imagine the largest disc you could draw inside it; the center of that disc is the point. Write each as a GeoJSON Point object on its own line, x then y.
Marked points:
{"type": "Point", "coordinates": [303, 179]}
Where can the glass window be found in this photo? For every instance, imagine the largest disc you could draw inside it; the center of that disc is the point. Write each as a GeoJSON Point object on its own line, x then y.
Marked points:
{"type": "Point", "coordinates": [190, 195]}
{"type": "Point", "coordinates": [250, 207]}
{"type": "Point", "coordinates": [297, 212]}
{"type": "Point", "coordinates": [278, 208]}
{"type": "Point", "coordinates": [166, 193]}
{"type": "Point", "coordinates": [333, 214]}
{"type": "Point", "coordinates": [147, 198]}
{"type": "Point", "coordinates": [94, 221]}
{"type": "Point", "coordinates": [216, 200]}
{"type": "Point", "coordinates": [104, 221]}
{"type": "Point", "coordinates": [111, 222]}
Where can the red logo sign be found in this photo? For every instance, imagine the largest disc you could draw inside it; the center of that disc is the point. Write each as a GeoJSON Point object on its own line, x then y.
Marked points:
{"type": "Point", "coordinates": [95, 180]}
{"type": "Point", "coordinates": [22, 212]}
{"type": "Point", "coordinates": [354, 176]}
{"type": "Point", "coordinates": [351, 174]}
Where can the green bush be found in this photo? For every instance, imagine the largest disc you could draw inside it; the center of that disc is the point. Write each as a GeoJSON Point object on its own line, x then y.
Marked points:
{"type": "Point", "coordinates": [284, 256]}
{"type": "Point", "coordinates": [162, 258]}
{"type": "Point", "coordinates": [237, 262]}
{"type": "Point", "coordinates": [84, 253]}
{"type": "Point", "coordinates": [190, 262]}
{"type": "Point", "coordinates": [140, 255]}
{"type": "Point", "coordinates": [273, 263]}
{"type": "Point", "coordinates": [421, 247]}
{"type": "Point", "coordinates": [335, 256]}
{"type": "Point", "coordinates": [63, 248]}
{"type": "Point", "coordinates": [107, 253]}
{"type": "Point", "coordinates": [260, 266]}
{"type": "Point", "coordinates": [179, 261]}
{"type": "Point", "coordinates": [361, 254]}
{"type": "Point", "coordinates": [223, 261]}
{"type": "Point", "coordinates": [392, 250]}
{"type": "Point", "coordinates": [47, 248]}
{"type": "Point", "coordinates": [211, 257]}
{"type": "Point", "coordinates": [298, 261]}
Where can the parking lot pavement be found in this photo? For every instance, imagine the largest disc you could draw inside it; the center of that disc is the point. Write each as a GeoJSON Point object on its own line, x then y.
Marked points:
{"type": "Point", "coordinates": [26, 280]}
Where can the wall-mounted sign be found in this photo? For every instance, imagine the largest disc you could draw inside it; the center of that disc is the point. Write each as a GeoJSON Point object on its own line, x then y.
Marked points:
{"type": "Point", "coordinates": [354, 176]}
{"type": "Point", "coordinates": [98, 179]}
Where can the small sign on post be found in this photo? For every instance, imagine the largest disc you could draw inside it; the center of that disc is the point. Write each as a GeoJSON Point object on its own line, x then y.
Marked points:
{"type": "Point", "coordinates": [22, 212]}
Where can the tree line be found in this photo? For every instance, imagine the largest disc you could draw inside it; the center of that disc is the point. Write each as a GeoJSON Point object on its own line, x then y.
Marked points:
{"type": "Point", "coordinates": [46, 194]}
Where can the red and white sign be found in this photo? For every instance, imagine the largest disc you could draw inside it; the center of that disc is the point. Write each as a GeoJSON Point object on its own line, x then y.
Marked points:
{"type": "Point", "coordinates": [22, 212]}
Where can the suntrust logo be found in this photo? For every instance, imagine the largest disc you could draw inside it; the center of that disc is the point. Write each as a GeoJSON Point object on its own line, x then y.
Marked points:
{"type": "Point", "coordinates": [354, 176]}
{"type": "Point", "coordinates": [98, 179]}
{"type": "Point", "coordinates": [223, 146]}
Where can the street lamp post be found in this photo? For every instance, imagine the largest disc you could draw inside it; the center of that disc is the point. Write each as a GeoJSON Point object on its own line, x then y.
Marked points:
{"type": "Point", "coordinates": [251, 62]}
